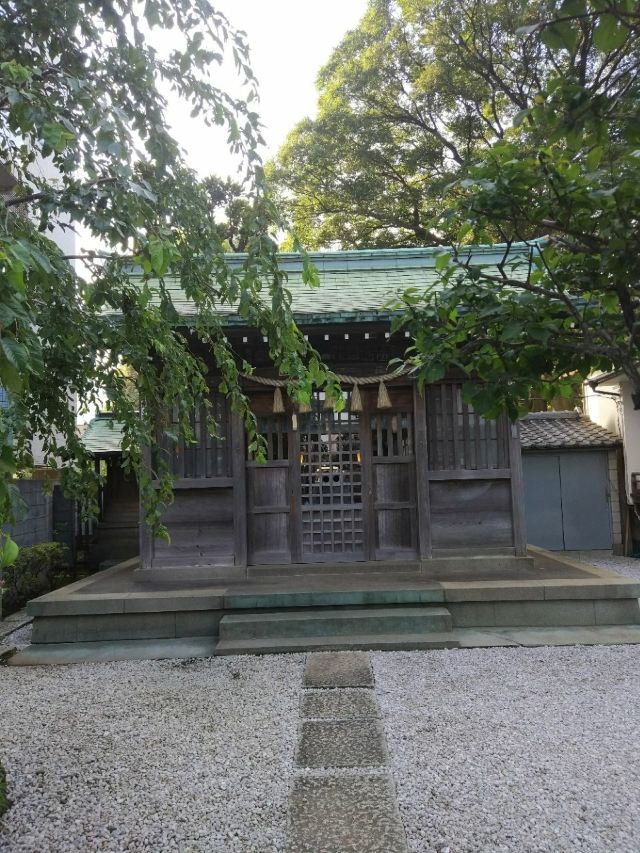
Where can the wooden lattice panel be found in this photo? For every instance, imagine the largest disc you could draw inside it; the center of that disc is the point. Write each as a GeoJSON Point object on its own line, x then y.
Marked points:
{"type": "Point", "coordinates": [392, 434]}
{"type": "Point", "coordinates": [331, 483]}
{"type": "Point", "coordinates": [459, 438]}
{"type": "Point", "coordinates": [208, 455]}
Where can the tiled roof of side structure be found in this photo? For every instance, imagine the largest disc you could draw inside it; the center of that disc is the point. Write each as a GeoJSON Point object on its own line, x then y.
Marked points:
{"type": "Point", "coordinates": [357, 283]}
{"type": "Point", "coordinates": [548, 430]}
{"type": "Point", "coordinates": [103, 435]}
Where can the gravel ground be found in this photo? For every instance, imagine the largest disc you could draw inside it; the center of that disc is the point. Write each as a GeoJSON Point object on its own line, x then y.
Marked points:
{"type": "Point", "coordinates": [629, 566]}
{"type": "Point", "coordinates": [515, 749]}
{"type": "Point", "coordinates": [20, 639]}
{"type": "Point", "coordinates": [159, 756]}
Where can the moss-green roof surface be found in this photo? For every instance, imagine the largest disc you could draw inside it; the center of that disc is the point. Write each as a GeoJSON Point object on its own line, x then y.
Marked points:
{"type": "Point", "coordinates": [356, 285]}
{"type": "Point", "coordinates": [103, 435]}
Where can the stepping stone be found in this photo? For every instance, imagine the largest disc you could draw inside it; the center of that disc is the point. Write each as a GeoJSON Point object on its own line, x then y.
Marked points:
{"type": "Point", "coordinates": [339, 704]}
{"type": "Point", "coordinates": [338, 669]}
{"type": "Point", "coordinates": [344, 814]}
{"type": "Point", "coordinates": [341, 743]}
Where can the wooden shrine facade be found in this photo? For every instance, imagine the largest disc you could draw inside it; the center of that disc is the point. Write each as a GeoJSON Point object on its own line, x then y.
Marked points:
{"type": "Point", "coordinates": [408, 477]}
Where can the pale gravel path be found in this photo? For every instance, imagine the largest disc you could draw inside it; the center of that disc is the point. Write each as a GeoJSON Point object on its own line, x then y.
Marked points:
{"type": "Point", "coordinates": [517, 750]}
{"type": "Point", "coordinates": [159, 756]}
{"type": "Point", "coordinates": [21, 638]}
{"type": "Point", "coordinates": [629, 566]}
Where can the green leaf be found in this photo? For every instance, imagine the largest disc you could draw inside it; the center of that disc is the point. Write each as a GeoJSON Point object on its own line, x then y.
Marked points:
{"type": "Point", "coordinates": [609, 34]}
{"type": "Point", "coordinates": [310, 273]}
{"type": "Point", "coordinates": [594, 157]}
{"type": "Point", "coordinates": [9, 551]}
{"type": "Point", "coordinates": [562, 35]}
{"type": "Point", "coordinates": [10, 377]}
{"type": "Point", "coordinates": [465, 229]}
{"type": "Point", "coordinates": [156, 253]}
{"type": "Point", "coordinates": [56, 136]}
{"type": "Point", "coordinates": [573, 8]}
{"type": "Point", "coordinates": [15, 276]}
{"type": "Point", "coordinates": [7, 461]}
{"type": "Point", "coordinates": [14, 352]}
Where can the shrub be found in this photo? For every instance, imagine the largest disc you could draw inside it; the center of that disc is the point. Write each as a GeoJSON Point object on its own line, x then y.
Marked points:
{"type": "Point", "coordinates": [37, 569]}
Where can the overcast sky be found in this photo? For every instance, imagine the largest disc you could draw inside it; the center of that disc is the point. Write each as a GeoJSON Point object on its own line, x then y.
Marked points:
{"type": "Point", "coordinates": [290, 41]}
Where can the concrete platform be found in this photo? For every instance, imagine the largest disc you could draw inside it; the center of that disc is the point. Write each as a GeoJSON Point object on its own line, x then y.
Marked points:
{"type": "Point", "coordinates": [44, 654]}
{"type": "Point", "coordinates": [481, 598]}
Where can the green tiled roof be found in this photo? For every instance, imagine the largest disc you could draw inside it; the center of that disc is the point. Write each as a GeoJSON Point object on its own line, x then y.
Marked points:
{"type": "Point", "coordinates": [103, 435]}
{"type": "Point", "coordinates": [356, 284]}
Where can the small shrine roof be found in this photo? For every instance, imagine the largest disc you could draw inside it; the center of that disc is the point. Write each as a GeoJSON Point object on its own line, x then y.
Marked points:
{"type": "Point", "coordinates": [103, 435]}
{"type": "Point", "coordinates": [357, 286]}
{"type": "Point", "coordinates": [570, 430]}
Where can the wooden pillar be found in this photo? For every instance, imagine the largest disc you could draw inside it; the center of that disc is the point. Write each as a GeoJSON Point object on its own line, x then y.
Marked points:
{"type": "Point", "coordinates": [423, 505]}
{"type": "Point", "coordinates": [366, 472]}
{"type": "Point", "coordinates": [146, 539]}
{"type": "Point", "coordinates": [295, 421]}
{"type": "Point", "coordinates": [239, 471]}
{"type": "Point", "coordinates": [517, 492]}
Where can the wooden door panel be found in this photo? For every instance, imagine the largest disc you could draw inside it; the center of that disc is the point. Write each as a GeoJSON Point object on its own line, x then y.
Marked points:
{"type": "Point", "coordinates": [394, 483]}
{"type": "Point", "coordinates": [586, 508]}
{"type": "Point", "coordinates": [395, 530]}
{"type": "Point", "coordinates": [269, 496]}
{"type": "Point", "coordinates": [268, 487]}
{"type": "Point", "coordinates": [268, 541]}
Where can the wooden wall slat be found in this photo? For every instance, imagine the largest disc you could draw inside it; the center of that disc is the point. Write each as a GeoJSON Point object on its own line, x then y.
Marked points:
{"type": "Point", "coordinates": [295, 517]}
{"type": "Point", "coordinates": [423, 511]}
{"type": "Point", "coordinates": [239, 490]}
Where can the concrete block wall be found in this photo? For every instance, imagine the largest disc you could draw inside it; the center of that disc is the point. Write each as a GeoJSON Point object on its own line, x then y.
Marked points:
{"type": "Point", "coordinates": [37, 524]}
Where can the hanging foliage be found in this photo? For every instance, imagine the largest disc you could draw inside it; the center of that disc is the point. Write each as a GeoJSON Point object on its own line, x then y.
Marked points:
{"type": "Point", "coordinates": [85, 147]}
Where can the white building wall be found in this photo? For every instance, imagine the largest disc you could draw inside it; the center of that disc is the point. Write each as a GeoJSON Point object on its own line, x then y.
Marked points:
{"type": "Point", "coordinates": [616, 413]}
{"type": "Point", "coordinates": [63, 237]}
{"type": "Point", "coordinates": [631, 433]}
{"type": "Point", "coordinates": [602, 409]}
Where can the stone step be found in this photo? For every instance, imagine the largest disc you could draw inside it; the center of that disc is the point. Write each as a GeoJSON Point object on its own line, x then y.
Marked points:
{"type": "Point", "coordinates": [335, 622]}
{"type": "Point", "coordinates": [326, 595]}
{"type": "Point", "coordinates": [379, 642]}
{"type": "Point", "coordinates": [363, 567]}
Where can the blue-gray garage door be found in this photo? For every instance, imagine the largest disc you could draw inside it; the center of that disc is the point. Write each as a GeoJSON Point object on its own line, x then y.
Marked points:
{"type": "Point", "coordinates": [567, 500]}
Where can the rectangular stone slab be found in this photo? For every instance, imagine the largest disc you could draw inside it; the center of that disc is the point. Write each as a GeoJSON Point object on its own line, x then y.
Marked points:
{"type": "Point", "coordinates": [344, 814]}
{"type": "Point", "coordinates": [339, 704]}
{"type": "Point", "coordinates": [338, 669]}
{"type": "Point", "coordinates": [341, 743]}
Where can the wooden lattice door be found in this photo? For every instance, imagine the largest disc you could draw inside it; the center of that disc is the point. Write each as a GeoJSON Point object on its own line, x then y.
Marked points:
{"type": "Point", "coordinates": [331, 504]}
{"type": "Point", "coordinates": [393, 480]}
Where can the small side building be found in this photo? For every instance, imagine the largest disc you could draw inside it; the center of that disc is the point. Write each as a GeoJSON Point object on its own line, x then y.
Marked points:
{"type": "Point", "coordinates": [573, 483]}
{"type": "Point", "coordinates": [609, 402]}
{"type": "Point", "coordinates": [114, 535]}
